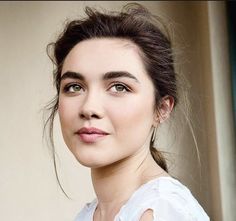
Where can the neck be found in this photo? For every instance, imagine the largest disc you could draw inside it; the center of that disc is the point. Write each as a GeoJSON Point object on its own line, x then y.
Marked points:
{"type": "Point", "coordinates": [114, 184]}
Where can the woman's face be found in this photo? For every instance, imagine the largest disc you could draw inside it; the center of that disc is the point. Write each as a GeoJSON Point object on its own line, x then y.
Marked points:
{"type": "Point", "coordinates": [106, 101]}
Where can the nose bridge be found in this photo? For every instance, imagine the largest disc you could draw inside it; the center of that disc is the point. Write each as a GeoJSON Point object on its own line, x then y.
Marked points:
{"type": "Point", "coordinates": [92, 104]}
{"type": "Point", "coordinates": [89, 99]}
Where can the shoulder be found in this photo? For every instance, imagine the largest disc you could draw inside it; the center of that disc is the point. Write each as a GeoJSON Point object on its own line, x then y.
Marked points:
{"type": "Point", "coordinates": [164, 199]}
{"type": "Point", "coordinates": [168, 210]}
{"type": "Point", "coordinates": [171, 200]}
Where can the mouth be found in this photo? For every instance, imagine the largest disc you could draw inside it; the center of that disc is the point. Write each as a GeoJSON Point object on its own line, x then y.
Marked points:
{"type": "Point", "coordinates": [91, 135]}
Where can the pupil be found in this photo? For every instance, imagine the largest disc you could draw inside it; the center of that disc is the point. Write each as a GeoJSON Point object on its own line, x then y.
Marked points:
{"type": "Point", "coordinates": [77, 87]}
{"type": "Point", "coordinates": [119, 87]}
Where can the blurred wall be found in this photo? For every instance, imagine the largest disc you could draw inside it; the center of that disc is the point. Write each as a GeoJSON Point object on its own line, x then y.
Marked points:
{"type": "Point", "coordinates": [28, 188]}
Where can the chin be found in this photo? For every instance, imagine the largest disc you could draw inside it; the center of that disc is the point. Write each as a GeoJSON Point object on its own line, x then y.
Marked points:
{"type": "Point", "coordinates": [90, 162]}
{"type": "Point", "coordinates": [93, 157]}
{"type": "Point", "coordinates": [95, 163]}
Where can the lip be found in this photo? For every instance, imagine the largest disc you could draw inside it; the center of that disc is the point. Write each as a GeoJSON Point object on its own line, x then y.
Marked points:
{"type": "Point", "coordinates": [91, 134]}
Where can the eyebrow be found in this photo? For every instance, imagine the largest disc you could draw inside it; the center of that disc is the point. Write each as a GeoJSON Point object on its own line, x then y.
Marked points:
{"type": "Point", "coordinates": [106, 76]}
{"type": "Point", "coordinates": [72, 75]}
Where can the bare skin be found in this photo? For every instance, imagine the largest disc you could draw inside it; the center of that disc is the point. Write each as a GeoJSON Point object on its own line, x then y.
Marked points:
{"type": "Point", "coordinates": [92, 96]}
{"type": "Point", "coordinates": [114, 185]}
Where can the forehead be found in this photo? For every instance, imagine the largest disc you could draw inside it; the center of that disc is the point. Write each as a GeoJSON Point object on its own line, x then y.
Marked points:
{"type": "Point", "coordinates": [96, 56]}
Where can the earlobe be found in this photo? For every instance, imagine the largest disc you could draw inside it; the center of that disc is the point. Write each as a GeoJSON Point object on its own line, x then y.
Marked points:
{"type": "Point", "coordinates": [156, 119]}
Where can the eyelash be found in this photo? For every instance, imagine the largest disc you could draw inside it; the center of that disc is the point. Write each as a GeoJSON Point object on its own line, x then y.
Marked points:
{"type": "Point", "coordinates": [67, 88]}
{"type": "Point", "coordinates": [125, 87]}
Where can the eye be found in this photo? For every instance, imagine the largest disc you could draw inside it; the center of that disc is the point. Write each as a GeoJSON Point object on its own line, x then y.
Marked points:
{"type": "Point", "coordinates": [72, 88]}
{"type": "Point", "coordinates": [118, 87]}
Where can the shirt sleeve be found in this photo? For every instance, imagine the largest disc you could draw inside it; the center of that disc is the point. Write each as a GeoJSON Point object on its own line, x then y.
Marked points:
{"type": "Point", "coordinates": [166, 210]}
{"type": "Point", "coordinates": [171, 209]}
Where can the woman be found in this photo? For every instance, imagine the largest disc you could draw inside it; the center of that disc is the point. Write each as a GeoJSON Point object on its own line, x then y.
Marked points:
{"type": "Point", "coordinates": [116, 84]}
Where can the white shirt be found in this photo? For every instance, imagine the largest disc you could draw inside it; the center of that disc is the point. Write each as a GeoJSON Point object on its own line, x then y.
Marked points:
{"type": "Point", "coordinates": [167, 197]}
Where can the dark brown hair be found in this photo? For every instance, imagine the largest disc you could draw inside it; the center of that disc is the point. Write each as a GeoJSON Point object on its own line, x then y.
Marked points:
{"type": "Point", "coordinates": [134, 23]}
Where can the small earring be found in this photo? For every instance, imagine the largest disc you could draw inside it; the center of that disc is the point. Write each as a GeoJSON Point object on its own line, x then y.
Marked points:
{"type": "Point", "coordinates": [154, 134]}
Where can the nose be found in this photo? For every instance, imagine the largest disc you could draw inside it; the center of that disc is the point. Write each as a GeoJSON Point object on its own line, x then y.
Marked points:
{"type": "Point", "coordinates": [91, 107]}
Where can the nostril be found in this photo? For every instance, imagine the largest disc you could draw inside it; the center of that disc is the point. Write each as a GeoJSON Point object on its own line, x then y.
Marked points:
{"type": "Point", "coordinates": [95, 116]}
{"type": "Point", "coordinates": [89, 115]}
{"type": "Point", "coordinates": [82, 116]}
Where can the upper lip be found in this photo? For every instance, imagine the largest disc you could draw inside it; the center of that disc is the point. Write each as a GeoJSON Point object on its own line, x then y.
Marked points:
{"type": "Point", "coordinates": [90, 130]}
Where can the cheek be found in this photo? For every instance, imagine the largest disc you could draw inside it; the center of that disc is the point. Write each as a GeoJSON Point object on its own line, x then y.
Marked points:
{"type": "Point", "coordinates": [67, 110]}
{"type": "Point", "coordinates": [133, 119]}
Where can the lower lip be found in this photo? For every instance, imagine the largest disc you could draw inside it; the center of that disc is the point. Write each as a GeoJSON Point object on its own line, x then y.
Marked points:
{"type": "Point", "coordinates": [91, 138]}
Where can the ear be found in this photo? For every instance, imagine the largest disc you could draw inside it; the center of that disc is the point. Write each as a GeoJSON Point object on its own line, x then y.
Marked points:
{"type": "Point", "coordinates": [165, 108]}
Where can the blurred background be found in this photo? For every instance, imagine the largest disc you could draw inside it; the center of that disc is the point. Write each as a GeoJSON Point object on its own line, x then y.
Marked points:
{"type": "Point", "coordinates": [204, 39]}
